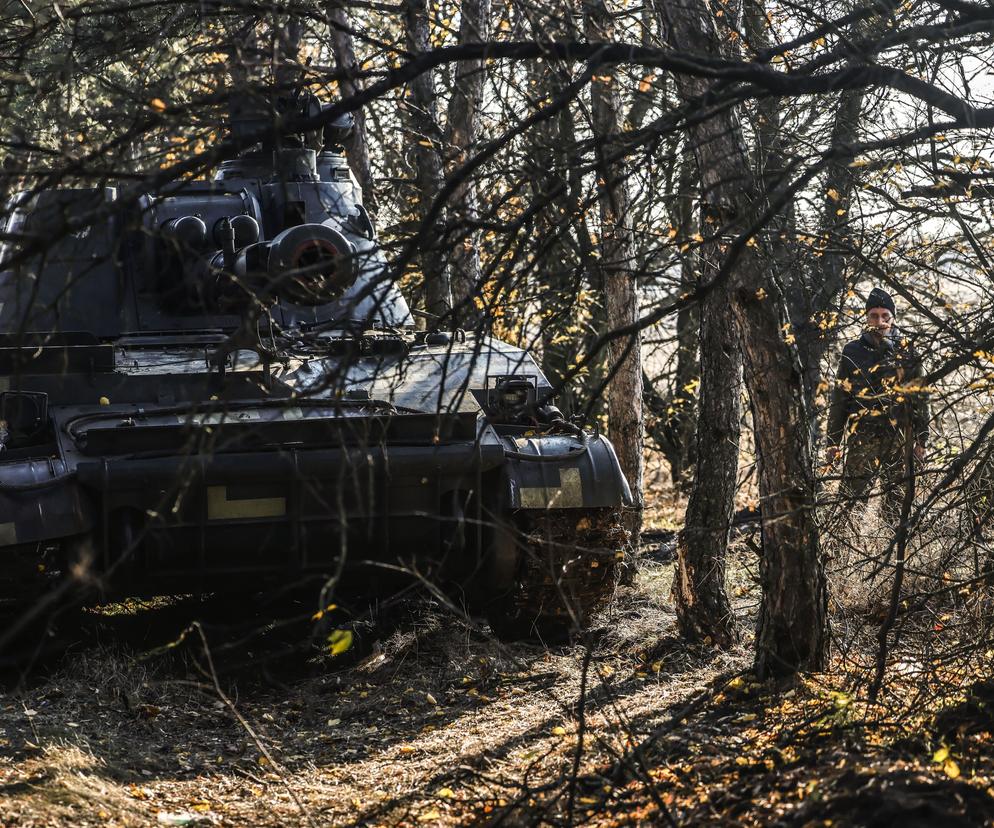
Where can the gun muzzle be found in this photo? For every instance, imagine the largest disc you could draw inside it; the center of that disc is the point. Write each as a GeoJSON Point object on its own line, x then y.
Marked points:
{"type": "Point", "coordinates": [310, 264]}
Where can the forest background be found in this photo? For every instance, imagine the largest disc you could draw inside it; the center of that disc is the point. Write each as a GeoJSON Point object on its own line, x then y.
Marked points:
{"type": "Point", "coordinates": [679, 207]}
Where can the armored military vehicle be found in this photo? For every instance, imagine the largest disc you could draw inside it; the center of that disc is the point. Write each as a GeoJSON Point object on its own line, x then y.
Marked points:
{"type": "Point", "coordinates": [217, 385]}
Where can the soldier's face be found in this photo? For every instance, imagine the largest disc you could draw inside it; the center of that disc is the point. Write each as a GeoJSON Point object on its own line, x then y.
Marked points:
{"type": "Point", "coordinates": [879, 321]}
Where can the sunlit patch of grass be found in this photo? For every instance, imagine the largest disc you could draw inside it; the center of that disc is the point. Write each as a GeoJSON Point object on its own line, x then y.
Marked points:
{"type": "Point", "coordinates": [136, 606]}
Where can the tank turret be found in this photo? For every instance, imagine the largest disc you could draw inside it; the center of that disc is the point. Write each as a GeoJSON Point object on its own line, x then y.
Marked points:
{"type": "Point", "coordinates": [281, 227]}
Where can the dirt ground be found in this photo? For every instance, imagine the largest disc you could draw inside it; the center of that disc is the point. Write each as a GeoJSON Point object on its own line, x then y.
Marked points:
{"type": "Point", "coordinates": [434, 723]}
{"type": "Point", "coordinates": [427, 720]}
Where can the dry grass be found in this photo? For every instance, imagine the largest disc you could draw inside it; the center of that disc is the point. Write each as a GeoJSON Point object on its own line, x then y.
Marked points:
{"type": "Point", "coordinates": [435, 722]}
{"type": "Point", "coordinates": [432, 723]}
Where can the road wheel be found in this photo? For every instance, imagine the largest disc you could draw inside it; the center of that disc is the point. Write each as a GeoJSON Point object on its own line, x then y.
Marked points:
{"type": "Point", "coordinates": [566, 565]}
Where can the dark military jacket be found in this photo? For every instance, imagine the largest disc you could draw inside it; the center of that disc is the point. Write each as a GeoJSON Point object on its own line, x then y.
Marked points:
{"type": "Point", "coordinates": [878, 389]}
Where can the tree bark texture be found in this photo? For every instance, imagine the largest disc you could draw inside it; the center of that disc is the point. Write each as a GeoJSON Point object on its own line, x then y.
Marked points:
{"type": "Point", "coordinates": [828, 289]}
{"type": "Point", "coordinates": [792, 632]}
{"type": "Point", "coordinates": [793, 624]}
{"type": "Point", "coordinates": [285, 57]}
{"type": "Point", "coordinates": [420, 114]}
{"type": "Point", "coordinates": [555, 248]}
{"type": "Point", "coordinates": [617, 259]}
{"type": "Point", "coordinates": [244, 60]}
{"type": "Point", "coordinates": [683, 423]}
{"type": "Point", "coordinates": [463, 123]}
{"type": "Point", "coordinates": [703, 610]}
{"type": "Point", "coordinates": [340, 29]}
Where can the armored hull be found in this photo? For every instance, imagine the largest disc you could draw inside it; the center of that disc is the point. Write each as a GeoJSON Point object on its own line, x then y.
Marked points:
{"type": "Point", "coordinates": [219, 386]}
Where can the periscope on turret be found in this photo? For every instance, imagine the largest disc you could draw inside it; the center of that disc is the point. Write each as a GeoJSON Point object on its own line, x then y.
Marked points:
{"type": "Point", "coordinates": [216, 385]}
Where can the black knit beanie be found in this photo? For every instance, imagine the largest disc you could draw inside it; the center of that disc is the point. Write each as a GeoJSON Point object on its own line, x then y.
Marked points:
{"type": "Point", "coordinates": [880, 299]}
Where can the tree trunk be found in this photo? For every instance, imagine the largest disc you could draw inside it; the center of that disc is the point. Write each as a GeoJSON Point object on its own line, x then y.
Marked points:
{"type": "Point", "coordinates": [684, 419]}
{"type": "Point", "coordinates": [463, 122]}
{"type": "Point", "coordinates": [814, 287]}
{"type": "Point", "coordinates": [792, 633]}
{"type": "Point", "coordinates": [617, 249]}
{"type": "Point", "coordinates": [358, 144]}
{"type": "Point", "coordinates": [703, 610]}
{"type": "Point", "coordinates": [555, 249]}
{"type": "Point", "coordinates": [793, 624]}
{"type": "Point", "coordinates": [420, 114]}
{"type": "Point", "coordinates": [285, 57]}
{"type": "Point", "coordinates": [244, 59]}
{"type": "Point", "coordinates": [826, 296]}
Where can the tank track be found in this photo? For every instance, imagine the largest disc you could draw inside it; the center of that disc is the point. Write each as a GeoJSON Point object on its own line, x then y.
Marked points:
{"type": "Point", "coordinates": [568, 566]}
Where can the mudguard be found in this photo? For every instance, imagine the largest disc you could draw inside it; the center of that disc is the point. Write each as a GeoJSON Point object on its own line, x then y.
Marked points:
{"type": "Point", "coordinates": [40, 501]}
{"type": "Point", "coordinates": [564, 472]}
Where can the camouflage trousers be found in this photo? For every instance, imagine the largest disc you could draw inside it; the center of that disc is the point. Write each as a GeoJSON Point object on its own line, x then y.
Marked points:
{"type": "Point", "coordinates": [869, 457]}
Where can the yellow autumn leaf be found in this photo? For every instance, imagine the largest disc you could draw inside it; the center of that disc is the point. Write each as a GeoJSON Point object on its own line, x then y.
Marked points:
{"type": "Point", "coordinates": [951, 769]}
{"type": "Point", "coordinates": [832, 193]}
{"type": "Point", "coordinates": [339, 641]}
{"type": "Point", "coordinates": [941, 755]}
{"type": "Point", "coordinates": [559, 730]}
{"type": "Point", "coordinates": [446, 793]}
{"type": "Point", "coordinates": [157, 104]}
{"type": "Point", "coordinates": [842, 700]}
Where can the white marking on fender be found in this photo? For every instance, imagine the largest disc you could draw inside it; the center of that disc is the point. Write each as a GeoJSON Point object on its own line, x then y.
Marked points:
{"type": "Point", "coordinates": [567, 495]}
{"type": "Point", "coordinates": [8, 534]}
{"type": "Point", "coordinates": [220, 508]}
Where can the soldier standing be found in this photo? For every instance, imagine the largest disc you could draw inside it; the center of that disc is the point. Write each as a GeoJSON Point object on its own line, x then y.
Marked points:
{"type": "Point", "coordinates": [881, 408]}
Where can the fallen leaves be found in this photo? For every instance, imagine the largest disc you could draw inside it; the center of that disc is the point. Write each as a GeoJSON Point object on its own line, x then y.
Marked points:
{"type": "Point", "coordinates": [949, 765]}
{"type": "Point", "coordinates": [339, 641]}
